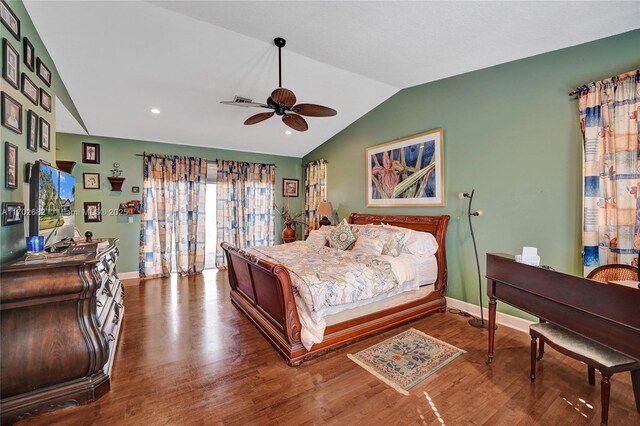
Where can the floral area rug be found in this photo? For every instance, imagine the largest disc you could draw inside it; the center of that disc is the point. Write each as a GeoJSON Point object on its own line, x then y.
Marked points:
{"type": "Point", "coordinates": [405, 360]}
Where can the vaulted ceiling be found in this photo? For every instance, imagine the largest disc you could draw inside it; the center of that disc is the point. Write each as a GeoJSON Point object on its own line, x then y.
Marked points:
{"type": "Point", "coordinates": [120, 59]}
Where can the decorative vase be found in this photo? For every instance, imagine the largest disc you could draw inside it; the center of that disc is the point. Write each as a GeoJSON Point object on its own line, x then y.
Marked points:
{"type": "Point", "coordinates": [116, 183]}
{"type": "Point", "coordinates": [288, 233]}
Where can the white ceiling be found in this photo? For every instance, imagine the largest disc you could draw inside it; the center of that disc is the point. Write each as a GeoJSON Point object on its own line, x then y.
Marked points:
{"type": "Point", "coordinates": [119, 59]}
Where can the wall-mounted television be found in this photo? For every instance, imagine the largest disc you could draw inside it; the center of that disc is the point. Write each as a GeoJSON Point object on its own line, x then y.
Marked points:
{"type": "Point", "coordinates": [53, 205]}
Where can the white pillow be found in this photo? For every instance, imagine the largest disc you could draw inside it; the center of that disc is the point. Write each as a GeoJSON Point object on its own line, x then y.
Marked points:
{"type": "Point", "coordinates": [368, 246]}
{"type": "Point", "coordinates": [417, 242]}
{"type": "Point", "coordinates": [317, 239]}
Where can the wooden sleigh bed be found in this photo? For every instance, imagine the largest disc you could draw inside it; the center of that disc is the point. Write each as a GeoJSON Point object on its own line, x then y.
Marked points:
{"type": "Point", "coordinates": [263, 291]}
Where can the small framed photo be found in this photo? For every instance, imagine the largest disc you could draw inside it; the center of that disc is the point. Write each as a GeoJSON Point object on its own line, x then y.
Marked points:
{"type": "Point", "coordinates": [10, 165]}
{"type": "Point", "coordinates": [29, 89]}
{"type": "Point", "coordinates": [12, 213]}
{"type": "Point", "coordinates": [32, 131]}
{"type": "Point", "coordinates": [91, 180]}
{"type": "Point", "coordinates": [45, 100]}
{"type": "Point", "coordinates": [9, 19]}
{"type": "Point", "coordinates": [135, 189]}
{"type": "Point", "coordinates": [11, 113]}
{"type": "Point", "coordinates": [10, 64]}
{"type": "Point", "coordinates": [45, 129]}
{"type": "Point", "coordinates": [43, 72]}
{"type": "Point", "coordinates": [29, 54]}
{"type": "Point", "coordinates": [90, 153]}
{"type": "Point", "coordinates": [290, 187]}
{"type": "Point", "coordinates": [92, 211]}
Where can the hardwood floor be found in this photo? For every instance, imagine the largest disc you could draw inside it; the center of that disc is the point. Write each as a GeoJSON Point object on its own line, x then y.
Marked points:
{"type": "Point", "coordinates": [187, 356]}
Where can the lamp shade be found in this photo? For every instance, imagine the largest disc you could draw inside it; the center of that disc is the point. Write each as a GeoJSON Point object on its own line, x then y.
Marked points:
{"type": "Point", "coordinates": [325, 209]}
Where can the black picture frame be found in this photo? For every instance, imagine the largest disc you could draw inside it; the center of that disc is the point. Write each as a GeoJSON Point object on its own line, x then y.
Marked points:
{"type": "Point", "coordinates": [90, 153]}
{"type": "Point", "coordinates": [6, 119]}
{"type": "Point", "coordinates": [91, 180]}
{"type": "Point", "coordinates": [135, 189]}
{"type": "Point", "coordinates": [92, 211]}
{"type": "Point", "coordinates": [29, 89]}
{"type": "Point", "coordinates": [10, 68]}
{"type": "Point", "coordinates": [12, 213]}
{"type": "Point", "coordinates": [29, 54]}
{"type": "Point", "coordinates": [9, 19]}
{"type": "Point", "coordinates": [290, 187]}
{"type": "Point", "coordinates": [32, 130]}
{"type": "Point", "coordinates": [45, 135]}
{"type": "Point", "coordinates": [43, 72]}
{"type": "Point", "coordinates": [10, 166]}
{"type": "Point", "coordinates": [45, 100]}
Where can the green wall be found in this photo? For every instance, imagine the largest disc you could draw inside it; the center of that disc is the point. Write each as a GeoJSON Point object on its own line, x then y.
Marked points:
{"type": "Point", "coordinates": [512, 133]}
{"type": "Point", "coordinates": [123, 151]}
{"type": "Point", "coordinates": [12, 237]}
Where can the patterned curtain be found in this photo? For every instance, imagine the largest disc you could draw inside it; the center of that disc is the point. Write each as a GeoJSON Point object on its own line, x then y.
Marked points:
{"type": "Point", "coordinates": [244, 206]}
{"type": "Point", "coordinates": [172, 225]}
{"type": "Point", "coordinates": [609, 119]}
{"type": "Point", "coordinates": [315, 192]}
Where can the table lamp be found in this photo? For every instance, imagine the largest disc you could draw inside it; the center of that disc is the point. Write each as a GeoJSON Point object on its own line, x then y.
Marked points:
{"type": "Point", "coordinates": [325, 210]}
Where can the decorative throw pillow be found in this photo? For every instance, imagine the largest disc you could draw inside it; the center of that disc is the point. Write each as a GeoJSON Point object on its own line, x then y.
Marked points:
{"type": "Point", "coordinates": [390, 238]}
{"type": "Point", "coordinates": [317, 239]}
{"type": "Point", "coordinates": [368, 246]}
{"type": "Point", "coordinates": [416, 242]}
{"type": "Point", "coordinates": [342, 237]}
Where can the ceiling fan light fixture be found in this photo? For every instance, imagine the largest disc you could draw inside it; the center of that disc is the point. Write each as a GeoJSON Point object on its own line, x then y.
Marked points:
{"type": "Point", "coordinates": [155, 111]}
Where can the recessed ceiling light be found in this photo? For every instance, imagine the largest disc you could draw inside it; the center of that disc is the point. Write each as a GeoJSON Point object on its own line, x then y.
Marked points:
{"type": "Point", "coordinates": [155, 111]}
{"type": "Point", "coordinates": [287, 132]}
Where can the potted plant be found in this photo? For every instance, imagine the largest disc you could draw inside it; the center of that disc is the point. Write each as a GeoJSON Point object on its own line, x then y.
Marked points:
{"type": "Point", "coordinates": [115, 179]}
{"type": "Point", "coordinates": [289, 232]}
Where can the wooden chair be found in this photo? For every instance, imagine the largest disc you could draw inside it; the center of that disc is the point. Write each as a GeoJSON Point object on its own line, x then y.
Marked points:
{"type": "Point", "coordinates": [614, 272]}
{"type": "Point", "coordinates": [595, 355]}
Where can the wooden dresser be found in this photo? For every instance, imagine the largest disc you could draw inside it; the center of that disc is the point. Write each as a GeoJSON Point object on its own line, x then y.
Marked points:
{"type": "Point", "coordinates": [60, 319]}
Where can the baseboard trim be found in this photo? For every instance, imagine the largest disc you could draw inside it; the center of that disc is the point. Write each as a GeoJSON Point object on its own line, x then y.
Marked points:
{"type": "Point", "coordinates": [128, 275]}
{"type": "Point", "coordinates": [501, 318]}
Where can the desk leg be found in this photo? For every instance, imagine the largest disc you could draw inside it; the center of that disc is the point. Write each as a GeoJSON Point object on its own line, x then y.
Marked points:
{"type": "Point", "coordinates": [492, 328]}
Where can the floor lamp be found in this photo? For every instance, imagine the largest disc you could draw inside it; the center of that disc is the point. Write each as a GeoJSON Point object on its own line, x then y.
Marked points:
{"type": "Point", "coordinates": [475, 322]}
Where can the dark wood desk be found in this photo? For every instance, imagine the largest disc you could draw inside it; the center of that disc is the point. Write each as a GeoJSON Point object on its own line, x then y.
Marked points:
{"type": "Point", "coordinates": [606, 313]}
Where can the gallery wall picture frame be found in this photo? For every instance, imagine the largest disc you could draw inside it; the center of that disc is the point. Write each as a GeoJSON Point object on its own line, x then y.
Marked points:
{"type": "Point", "coordinates": [91, 180]}
{"type": "Point", "coordinates": [9, 19]}
{"type": "Point", "coordinates": [29, 54]}
{"type": "Point", "coordinates": [32, 131]}
{"type": "Point", "coordinates": [45, 100]}
{"type": "Point", "coordinates": [290, 187]}
{"type": "Point", "coordinates": [10, 64]}
{"type": "Point", "coordinates": [90, 153]}
{"type": "Point", "coordinates": [11, 113]}
{"type": "Point", "coordinates": [45, 134]}
{"type": "Point", "coordinates": [29, 89]}
{"type": "Point", "coordinates": [92, 211]}
{"type": "Point", "coordinates": [135, 189]}
{"type": "Point", "coordinates": [407, 171]}
{"type": "Point", "coordinates": [12, 213]}
{"type": "Point", "coordinates": [43, 72]}
{"type": "Point", "coordinates": [10, 166]}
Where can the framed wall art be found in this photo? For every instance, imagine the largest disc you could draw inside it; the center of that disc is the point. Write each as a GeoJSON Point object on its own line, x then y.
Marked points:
{"type": "Point", "coordinates": [9, 19]}
{"type": "Point", "coordinates": [45, 130]}
{"type": "Point", "coordinates": [406, 172]}
{"type": "Point", "coordinates": [29, 89]}
{"type": "Point", "coordinates": [43, 72]}
{"type": "Point", "coordinates": [12, 213]}
{"type": "Point", "coordinates": [11, 113]}
{"type": "Point", "coordinates": [290, 187]}
{"type": "Point", "coordinates": [32, 131]}
{"type": "Point", "coordinates": [10, 64]}
{"type": "Point", "coordinates": [45, 100]}
{"type": "Point", "coordinates": [90, 153]}
{"type": "Point", "coordinates": [29, 54]}
{"type": "Point", "coordinates": [91, 180]}
{"type": "Point", "coordinates": [10, 165]}
{"type": "Point", "coordinates": [92, 211]}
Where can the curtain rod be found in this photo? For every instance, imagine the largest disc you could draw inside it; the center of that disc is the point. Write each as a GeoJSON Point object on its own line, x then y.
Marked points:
{"type": "Point", "coordinates": [575, 92]}
{"type": "Point", "coordinates": [212, 161]}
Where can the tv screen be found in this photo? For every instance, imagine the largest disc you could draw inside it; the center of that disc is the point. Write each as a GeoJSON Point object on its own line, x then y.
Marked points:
{"type": "Point", "coordinates": [53, 199]}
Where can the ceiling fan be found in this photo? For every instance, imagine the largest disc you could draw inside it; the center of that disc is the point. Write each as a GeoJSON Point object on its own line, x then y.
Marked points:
{"type": "Point", "coordinates": [282, 102]}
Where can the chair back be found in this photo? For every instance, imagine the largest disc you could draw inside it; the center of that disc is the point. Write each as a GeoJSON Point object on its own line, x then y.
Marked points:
{"type": "Point", "coordinates": [614, 272]}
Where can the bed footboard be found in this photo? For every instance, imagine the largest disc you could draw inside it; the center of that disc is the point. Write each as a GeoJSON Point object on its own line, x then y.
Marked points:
{"type": "Point", "coordinates": [263, 291]}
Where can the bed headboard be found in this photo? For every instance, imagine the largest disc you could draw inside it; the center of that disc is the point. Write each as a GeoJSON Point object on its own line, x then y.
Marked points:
{"type": "Point", "coordinates": [436, 225]}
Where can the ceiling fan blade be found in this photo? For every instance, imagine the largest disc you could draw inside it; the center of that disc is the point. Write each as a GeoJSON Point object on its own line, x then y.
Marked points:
{"type": "Point", "coordinates": [284, 96]}
{"type": "Point", "coordinates": [245, 104]}
{"type": "Point", "coordinates": [295, 122]}
{"type": "Point", "coordinates": [258, 118]}
{"type": "Point", "coordinates": [313, 110]}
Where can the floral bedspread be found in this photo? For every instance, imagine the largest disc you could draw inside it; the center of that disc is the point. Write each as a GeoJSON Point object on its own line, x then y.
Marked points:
{"type": "Point", "coordinates": [326, 277]}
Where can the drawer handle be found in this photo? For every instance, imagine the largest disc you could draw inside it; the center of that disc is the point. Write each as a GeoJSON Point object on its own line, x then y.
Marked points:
{"type": "Point", "coordinates": [111, 337]}
{"type": "Point", "coordinates": [116, 320]}
{"type": "Point", "coordinates": [99, 304]}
